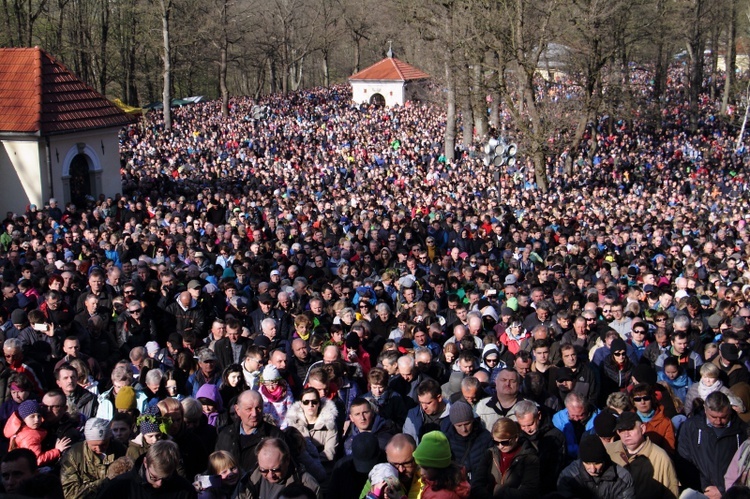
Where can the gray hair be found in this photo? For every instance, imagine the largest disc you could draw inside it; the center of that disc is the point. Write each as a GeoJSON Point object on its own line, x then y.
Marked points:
{"type": "Point", "coordinates": [525, 407]}
{"type": "Point", "coordinates": [681, 322]}
{"type": "Point", "coordinates": [13, 344]}
{"type": "Point", "coordinates": [154, 377]}
{"type": "Point", "coordinates": [406, 361]}
{"type": "Point", "coordinates": [382, 307]}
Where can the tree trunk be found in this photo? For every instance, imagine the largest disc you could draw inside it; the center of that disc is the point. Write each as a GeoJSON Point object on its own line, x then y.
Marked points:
{"type": "Point", "coordinates": [104, 19]}
{"type": "Point", "coordinates": [224, 49]}
{"type": "Point", "coordinates": [166, 7]}
{"type": "Point", "coordinates": [730, 61]}
{"type": "Point", "coordinates": [450, 124]}
{"type": "Point", "coordinates": [479, 101]}
{"type": "Point", "coordinates": [326, 70]}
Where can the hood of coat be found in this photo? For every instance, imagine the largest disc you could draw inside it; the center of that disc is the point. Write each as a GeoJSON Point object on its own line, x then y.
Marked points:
{"type": "Point", "coordinates": [326, 417]}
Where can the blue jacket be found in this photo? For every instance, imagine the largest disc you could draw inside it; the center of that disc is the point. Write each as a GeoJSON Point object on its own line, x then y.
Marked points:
{"type": "Point", "coordinates": [415, 420]}
{"type": "Point", "coordinates": [562, 422]}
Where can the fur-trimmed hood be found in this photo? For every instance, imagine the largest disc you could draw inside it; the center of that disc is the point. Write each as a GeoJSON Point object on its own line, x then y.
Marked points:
{"type": "Point", "coordinates": [326, 418]}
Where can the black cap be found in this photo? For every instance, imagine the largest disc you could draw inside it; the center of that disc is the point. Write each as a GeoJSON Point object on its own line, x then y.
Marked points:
{"type": "Point", "coordinates": [591, 450]}
{"type": "Point", "coordinates": [729, 352]}
{"type": "Point", "coordinates": [564, 374]}
{"type": "Point", "coordinates": [627, 421]}
{"type": "Point", "coordinates": [604, 424]}
{"type": "Point", "coordinates": [262, 341]}
{"type": "Point", "coordinates": [365, 452]}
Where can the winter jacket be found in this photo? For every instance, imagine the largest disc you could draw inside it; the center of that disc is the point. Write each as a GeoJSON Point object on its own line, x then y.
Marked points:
{"type": "Point", "coordinates": [324, 433]}
{"type": "Point", "coordinates": [461, 491]}
{"type": "Point", "coordinates": [679, 385]}
{"type": "Point", "coordinates": [614, 483]}
{"type": "Point", "coordinates": [242, 447]}
{"type": "Point", "coordinates": [691, 363]}
{"type": "Point", "coordinates": [83, 473]}
{"type": "Point", "coordinates": [26, 438]}
{"type": "Point", "coordinates": [106, 404]}
{"type": "Point", "coordinates": [693, 394]}
{"type": "Point", "coordinates": [389, 405]}
{"type": "Point", "coordinates": [654, 475]}
{"type": "Point", "coordinates": [660, 430]}
{"type": "Point", "coordinates": [520, 480]}
{"type": "Point", "coordinates": [468, 451]}
{"type": "Point", "coordinates": [613, 378]}
{"type": "Point", "coordinates": [550, 444]}
{"type": "Point", "coordinates": [710, 449]}
{"type": "Point", "coordinates": [251, 485]}
{"type": "Point", "coordinates": [415, 420]}
{"type": "Point", "coordinates": [382, 429]}
{"type": "Point", "coordinates": [85, 401]}
{"type": "Point", "coordinates": [134, 485]}
{"type": "Point", "coordinates": [489, 410]}
{"type": "Point", "coordinates": [211, 392]}
{"type": "Point", "coordinates": [562, 422]}
{"type": "Point", "coordinates": [277, 409]}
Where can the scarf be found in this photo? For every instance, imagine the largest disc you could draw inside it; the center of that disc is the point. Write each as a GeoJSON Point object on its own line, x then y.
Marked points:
{"type": "Point", "coordinates": [273, 396]}
{"type": "Point", "coordinates": [647, 416]}
{"type": "Point", "coordinates": [704, 391]}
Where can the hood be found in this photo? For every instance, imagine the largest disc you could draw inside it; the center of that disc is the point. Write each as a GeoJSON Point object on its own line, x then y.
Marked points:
{"type": "Point", "coordinates": [490, 347]}
{"type": "Point", "coordinates": [295, 415]}
{"type": "Point", "coordinates": [211, 392]}
{"type": "Point", "coordinates": [13, 425]}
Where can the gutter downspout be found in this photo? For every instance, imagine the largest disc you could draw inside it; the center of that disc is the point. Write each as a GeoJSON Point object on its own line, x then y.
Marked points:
{"type": "Point", "coordinates": [49, 168]}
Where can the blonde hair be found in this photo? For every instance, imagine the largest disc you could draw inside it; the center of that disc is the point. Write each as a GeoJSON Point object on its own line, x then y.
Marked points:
{"type": "Point", "coordinates": [505, 428]}
{"type": "Point", "coordinates": [219, 461]}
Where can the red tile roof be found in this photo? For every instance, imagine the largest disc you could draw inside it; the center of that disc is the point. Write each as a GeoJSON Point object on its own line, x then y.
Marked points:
{"type": "Point", "coordinates": [390, 69]}
{"type": "Point", "coordinates": [40, 95]}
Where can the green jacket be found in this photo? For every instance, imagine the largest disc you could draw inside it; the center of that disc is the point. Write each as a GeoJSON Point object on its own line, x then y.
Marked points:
{"type": "Point", "coordinates": [82, 472]}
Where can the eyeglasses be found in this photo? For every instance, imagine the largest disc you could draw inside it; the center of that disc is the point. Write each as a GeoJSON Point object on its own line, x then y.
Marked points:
{"type": "Point", "coordinates": [154, 479]}
{"type": "Point", "coordinates": [267, 471]}
{"type": "Point", "coordinates": [402, 465]}
{"type": "Point", "coordinates": [645, 398]}
{"type": "Point", "coordinates": [310, 401]}
{"type": "Point", "coordinates": [619, 354]}
{"type": "Point", "coordinates": [660, 320]}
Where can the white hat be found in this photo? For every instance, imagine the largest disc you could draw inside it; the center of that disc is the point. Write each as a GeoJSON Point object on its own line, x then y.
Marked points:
{"type": "Point", "coordinates": [270, 373]}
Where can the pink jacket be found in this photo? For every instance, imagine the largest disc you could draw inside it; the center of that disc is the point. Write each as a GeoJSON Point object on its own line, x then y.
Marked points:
{"type": "Point", "coordinates": [26, 438]}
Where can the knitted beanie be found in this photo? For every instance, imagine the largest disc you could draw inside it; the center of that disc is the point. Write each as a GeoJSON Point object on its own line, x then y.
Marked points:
{"type": "Point", "coordinates": [149, 420]}
{"type": "Point", "coordinates": [27, 408]}
{"type": "Point", "coordinates": [97, 429]}
{"type": "Point", "coordinates": [461, 412]}
{"type": "Point", "coordinates": [433, 451]}
{"type": "Point", "coordinates": [591, 450]}
{"type": "Point", "coordinates": [125, 399]}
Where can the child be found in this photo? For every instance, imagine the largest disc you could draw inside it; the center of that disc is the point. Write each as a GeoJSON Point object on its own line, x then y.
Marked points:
{"type": "Point", "coordinates": [24, 428]}
{"type": "Point", "coordinates": [676, 377]}
{"type": "Point", "coordinates": [384, 477]}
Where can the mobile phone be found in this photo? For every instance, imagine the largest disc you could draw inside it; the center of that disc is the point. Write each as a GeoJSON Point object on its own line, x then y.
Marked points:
{"type": "Point", "coordinates": [208, 481]}
{"type": "Point", "coordinates": [40, 327]}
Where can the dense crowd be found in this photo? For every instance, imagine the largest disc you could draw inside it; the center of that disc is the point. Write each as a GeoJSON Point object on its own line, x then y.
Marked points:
{"type": "Point", "coordinates": [318, 304]}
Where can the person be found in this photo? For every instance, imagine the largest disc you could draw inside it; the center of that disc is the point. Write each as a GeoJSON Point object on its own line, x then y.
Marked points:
{"type": "Point", "coordinates": [430, 413]}
{"type": "Point", "coordinates": [17, 466]}
{"type": "Point", "coordinates": [680, 349]}
{"type": "Point", "coordinates": [364, 419]}
{"type": "Point", "coordinates": [399, 453]}
{"type": "Point", "coordinates": [193, 453]}
{"type": "Point", "coordinates": [656, 426]}
{"type": "Point", "coordinates": [121, 377]}
{"type": "Point", "coordinates": [315, 418]}
{"type": "Point", "coordinates": [503, 403]}
{"type": "Point", "coordinates": [242, 437]}
{"type": "Point", "coordinates": [548, 441]}
{"type": "Point", "coordinates": [576, 419]}
{"type": "Point", "coordinates": [350, 473]}
{"type": "Point", "coordinates": [675, 377]}
{"type": "Point", "coordinates": [442, 478]}
{"type": "Point", "coordinates": [653, 473]}
{"type": "Point", "coordinates": [152, 429]}
{"type": "Point", "coordinates": [232, 347]}
{"type": "Point", "coordinates": [709, 383]}
{"type": "Point", "coordinates": [156, 478]}
{"type": "Point", "coordinates": [383, 479]}
{"type": "Point", "coordinates": [277, 395]}
{"type": "Point", "coordinates": [83, 400]}
{"type": "Point", "coordinates": [275, 470]}
{"type": "Point", "coordinates": [386, 403]}
{"type": "Point", "coordinates": [509, 467]}
{"type": "Point", "coordinates": [593, 475]}
{"type": "Point", "coordinates": [83, 468]}
{"type": "Point", "coordinates": [708, 442]}
{"type": "Point", "coordinates": [24, 429]}
{"type": "Point", "coordinates": [223, 465]}
{"type": "Point", "coordinates": [207, 372]}
{"type": "Point", "coordinates": [467, 437]}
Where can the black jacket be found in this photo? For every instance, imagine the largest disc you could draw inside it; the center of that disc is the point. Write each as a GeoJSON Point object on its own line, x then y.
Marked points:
{"type": "Point", "coordinates": [134, 485]}
{"type": "Point", "coordinates": [468, 451]}
{"type": "Point", "coordinates": [520, 481]}
{"type": "Point", "coordinates": [551, 447]}
{"type": "Point", "coordinates": [223, 351]}
{"type": "Point", "coordinates": [242, 447]}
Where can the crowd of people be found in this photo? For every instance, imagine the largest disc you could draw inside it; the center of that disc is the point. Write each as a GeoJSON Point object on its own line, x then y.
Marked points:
{"type": "Point", "coordinates": [319, 304]}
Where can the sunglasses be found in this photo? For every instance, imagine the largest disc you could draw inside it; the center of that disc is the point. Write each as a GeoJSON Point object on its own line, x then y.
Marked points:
{"type": "Point", "coordinates": [136, 311]}
{"type": "Point", "coordinates": [639, 331]}
{"type": "Point", "coordinates": [645, 398]}
{"type": "Point", "coordinates": [504, 443]}
{"type": "Point", "coordinates": [619, 354]}
{"type": "Point", "coordinates": [271, 470]}
{"type": "Point", "coordinates": [310, 401]}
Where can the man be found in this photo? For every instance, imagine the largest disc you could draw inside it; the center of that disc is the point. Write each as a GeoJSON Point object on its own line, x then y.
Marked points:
{"type": "Point", "coordinates": [193, 453]}
{"type": "Point", "coordinates": [275, 471]}
{"type": "Point", "coordinates": [408, 380]}
{"type": "Point", "coordinates": [57, 421]}
{"type": "Point", "coordinates": [503, 403]}
{"type": "Point", "coordinates": [241, 438]}
{"type": "Point", "coordinates": [122, 376]}
{"type": "Point", "coordinates": [350, 472]}
{"type": "Point", "coordinates": [83, 468]}
{"type": "Point", "coordinates": [586, 378]}
{"type": "Point", "coordinates": [217, 332]}
{"type": "Point", "coordinates": [400, 454]}
{"type": "Point", "coordinates": [13, 353]}
{"type": "Point", "coordinates": [468, 439]}
{"type": "Point", "coordinates": [471, 391]}
{"type": "Point", "coordinates": [363, 419]}
{"type": "Point", "coordinates": [654, 475]}
{"type": "Point", "coordinates": [72, 350]}
{"type": "Point", "coordinates": [185, 314]}
{"type": "Point", "coordinates": [431, 412]}
{"type": "Point", "coordinates": [708, 442]}
{"type": "Point", "coordinates": [619, 322]}
{"type": "Point", "coordinates": [731, 371]}
{"type": "Point", "coordinates": [548, 441]}
{"type": "Point", "coordinates": [594, 476]}
{"type": "Point", "coordinates": [207, 372]}
{"type": "Point", "coordinates": [689, 360]}
{"type": "Point", "coordinates": [157, 477]}
{"type": "Point", "coordinates": [252, 365]}
{"type": "Point", "coordinates": [66, 378]}
{"type": "Point", "coordinates": [576, 419]}
{"type": "Point", "coordinates": [97, 287]}
{"type": "Point", "coordinates": [302, 360]}
{"type": "Point", "coordinates": [231, 349]}
{"type": "Point", "coordinates": [265, 311]}
{"type": "Point", "coordinates": [17, 466]}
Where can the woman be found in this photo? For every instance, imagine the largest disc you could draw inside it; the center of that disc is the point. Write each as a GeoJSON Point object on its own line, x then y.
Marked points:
{"type": "Point", "coordinates": [315, 418]}
{"type": "Point", "coordinates": [656, 425]}
{"type": "Point", "coordinates": [442, 478]}
{"type": "Point", "coordinates": [277, 397]}
{"type": "Point", "coordinates": [365, 311]}
{"type": "Point", "coordinates": [616, 368]}
{"type": "Point", "coordinates": [223, 464]}
{"type": "Point", "coordinates": [232, 384]}
{"type": "Point", "coordinates": [302, 327]}
{"type": "Point", "coordinates": [510, 468]}
{"type": "Point", "coordinates": [708, 384]}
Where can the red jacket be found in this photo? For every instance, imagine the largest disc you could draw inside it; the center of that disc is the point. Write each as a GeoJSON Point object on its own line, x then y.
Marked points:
{"type": "Point", "coordinates": [26, 438]}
